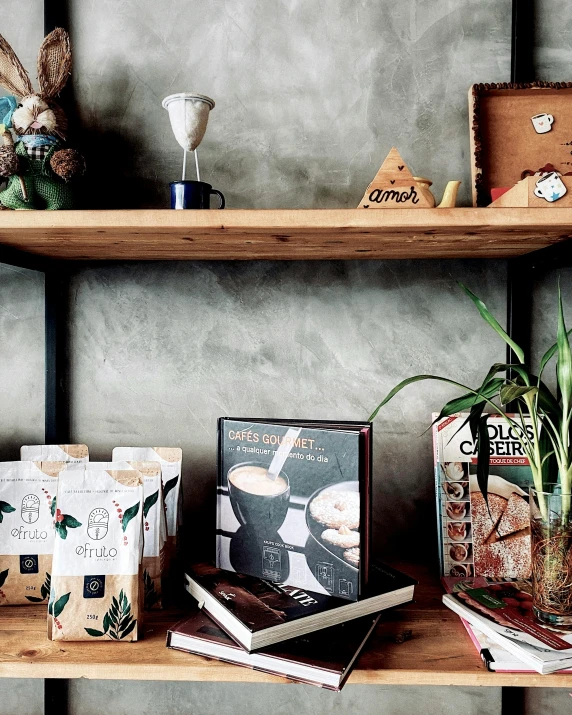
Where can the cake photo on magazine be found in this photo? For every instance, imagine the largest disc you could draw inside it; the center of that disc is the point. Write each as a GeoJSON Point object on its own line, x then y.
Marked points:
{"type": "Point", "coordinates": [479, 537]}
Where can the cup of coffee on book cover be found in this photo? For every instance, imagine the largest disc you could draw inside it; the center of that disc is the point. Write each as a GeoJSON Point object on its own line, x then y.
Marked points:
{"type": "Point", "coordinates": [258, 501]}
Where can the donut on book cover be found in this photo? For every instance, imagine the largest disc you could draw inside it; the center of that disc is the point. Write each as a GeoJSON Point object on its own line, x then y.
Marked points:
{"type": "Point", "coordinates": [294, 503]}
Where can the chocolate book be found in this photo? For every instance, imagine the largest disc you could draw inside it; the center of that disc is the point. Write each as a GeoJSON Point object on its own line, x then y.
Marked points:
{"type": "Point", "coordinates": [324, 659]}
{"type": "Point", "coordinates": [476, 538]}
{"type": "Point", "coordinates": [258, 613]}
{"type": "Point", "coordinates": [294, 503]}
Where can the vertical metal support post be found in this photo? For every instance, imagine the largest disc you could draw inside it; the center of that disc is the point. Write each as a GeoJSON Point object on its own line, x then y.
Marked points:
{"type": "Point", "coordinates": [520, 271]}
{"type": "Point", "coordinates": [56, 692]}
{"type": "Point", "coordinates": [520, 282]}
{"type": "Point", "coordinates": [522, 41]}
{"type": "Point", "coordinates": [57, 430]}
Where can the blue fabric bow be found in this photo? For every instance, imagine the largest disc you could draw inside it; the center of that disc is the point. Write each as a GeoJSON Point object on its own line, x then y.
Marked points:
{"type": "Point", "coordinates": [7, 107]}
{"type": "Point", "coordinates": [33, 140]}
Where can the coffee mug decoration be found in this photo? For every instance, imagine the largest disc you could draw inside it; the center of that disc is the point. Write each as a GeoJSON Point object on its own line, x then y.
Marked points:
{"type": "Point", "coordinates": [550, 187]}
{"type": "Point", "coordinates": [36, 164]}
{"type": "Point", "coordinates": [542, 123]}
{"type": "Point", "coordinates": [189, 116]}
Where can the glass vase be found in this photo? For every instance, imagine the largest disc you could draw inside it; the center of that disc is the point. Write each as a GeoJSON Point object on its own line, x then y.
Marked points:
{"type": "Point", "coordinates": [551, 541]}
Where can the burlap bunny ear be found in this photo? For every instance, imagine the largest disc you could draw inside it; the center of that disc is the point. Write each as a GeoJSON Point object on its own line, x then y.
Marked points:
{"type": "Point", "coordinates": [13, 76]}
{"type": "Point", "coordinates": [54, 63]}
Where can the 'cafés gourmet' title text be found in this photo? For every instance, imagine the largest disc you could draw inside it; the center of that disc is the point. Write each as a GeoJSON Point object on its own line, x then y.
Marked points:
{"type": "Point", "coordinates": [271, 439]}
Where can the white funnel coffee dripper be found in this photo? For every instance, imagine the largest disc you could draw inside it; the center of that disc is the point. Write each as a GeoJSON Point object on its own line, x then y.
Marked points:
{"type": "Point", "coordinates": [189, 115]}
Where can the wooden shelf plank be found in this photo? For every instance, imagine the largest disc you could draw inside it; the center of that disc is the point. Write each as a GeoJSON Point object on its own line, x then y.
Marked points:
{"type": "Point", "coordinates": [439, 653]}
{"type": "Point", "coordinates": [284, 234]}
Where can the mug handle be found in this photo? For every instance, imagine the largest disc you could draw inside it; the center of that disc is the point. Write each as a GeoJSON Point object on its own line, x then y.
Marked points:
{"type": "Point", "coordinates": [538, 193]}
{"type": "Point", "coordinates": [220, 196]}
{"type": "Point", "coordinates": [550, 118]}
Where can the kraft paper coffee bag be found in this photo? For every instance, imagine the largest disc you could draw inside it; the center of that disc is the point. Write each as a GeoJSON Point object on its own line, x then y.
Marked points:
{"type": "Point", "coordinates": [96, 590]}
{"type": "Point", "coordinates": [55, 453]}
{"type": "Point", "coordinates": [27, 505]}
{"type": "Point", "coordinates": [170, 459]}
{"type": "Point", "coordinates": [154, 532]}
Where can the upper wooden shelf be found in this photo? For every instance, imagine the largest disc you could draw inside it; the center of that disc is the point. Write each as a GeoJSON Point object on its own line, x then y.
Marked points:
{"type": "Point", "coordinates": [284, 234]}
{"type": "Point", "coordinates": [439, 652]}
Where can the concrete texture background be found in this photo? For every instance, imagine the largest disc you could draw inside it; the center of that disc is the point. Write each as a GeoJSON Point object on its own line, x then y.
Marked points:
{"type": "Point", "coordinates": [310, 97]}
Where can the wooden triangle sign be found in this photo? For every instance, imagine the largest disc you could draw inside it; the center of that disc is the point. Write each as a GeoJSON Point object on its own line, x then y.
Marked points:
{"type": "Point", "coordinates": [394, 187]}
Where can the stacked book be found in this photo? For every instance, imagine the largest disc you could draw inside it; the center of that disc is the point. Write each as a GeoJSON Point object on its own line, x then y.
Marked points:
{"type": "Point", "coordinates": [498, 618]}
{"type": "Point", "coordinates": [293, 592]}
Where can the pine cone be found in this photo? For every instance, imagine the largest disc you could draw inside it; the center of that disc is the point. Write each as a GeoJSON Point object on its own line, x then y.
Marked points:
{"type": "Point", "coordinates": [9, 164]}
{"type": "Point", "coordinates": [67, 164]}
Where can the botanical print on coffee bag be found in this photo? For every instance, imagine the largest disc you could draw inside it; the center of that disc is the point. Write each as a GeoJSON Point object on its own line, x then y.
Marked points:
{"type": "Point", "coordinates": [96, 585]}
{"type": "Point", "coordinates": [55, 453]}
{"type": "Point", "coordinates": [27, 504]}
{"type": "Point", "coordinates": [154, 532]}
{"type": "Point", "coordinates": [170, 459]}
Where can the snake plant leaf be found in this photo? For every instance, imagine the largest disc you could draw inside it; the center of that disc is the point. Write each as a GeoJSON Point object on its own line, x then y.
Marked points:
{"type": "Point", "coordinates": [469, 399]}
{"type": "Point", "coordinates": [483, 455]}
{"type": "Point", "coordinates": [511, 392]}
{"type": "Point", "coordinates": [548, 355]}
{"type": "Point", "coordinates": [410, 381]}
{"type": "Point", "coordinates": [564, 365]}
{"type": "Point", "coordinates": [3, 577]}
{"type": "Point", "coordinates": [493, 322]}
{"type": "Point", "coordinates": [93, 632]}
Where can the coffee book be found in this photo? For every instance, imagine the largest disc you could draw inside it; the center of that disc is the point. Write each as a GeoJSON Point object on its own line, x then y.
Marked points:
{"type": "Point", "coordinates": [258, 613]}
{"type": "Point", "coordinates": [294, 503]}
{"type": "Point", "coordinates": [325, 658]}
{"type": "Point", "coordinates": [503, 613]}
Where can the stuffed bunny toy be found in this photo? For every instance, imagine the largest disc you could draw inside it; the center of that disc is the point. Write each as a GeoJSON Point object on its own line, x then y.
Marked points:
{"type": "Point", "coordinates": [36, 165]}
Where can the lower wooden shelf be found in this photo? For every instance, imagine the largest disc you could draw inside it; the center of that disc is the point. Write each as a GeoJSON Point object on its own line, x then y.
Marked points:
{"type": "Point", "coordinates": [439, 652]}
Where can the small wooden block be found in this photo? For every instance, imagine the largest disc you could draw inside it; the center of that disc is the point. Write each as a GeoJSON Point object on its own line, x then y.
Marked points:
{"type": "Point", "coordinates": [522, 196]}
{"type": "Point", "coordinates": [394, 187]}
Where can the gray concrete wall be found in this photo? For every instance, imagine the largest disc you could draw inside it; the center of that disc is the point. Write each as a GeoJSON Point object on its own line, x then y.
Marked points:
{"type": "Point", "coordinates": [310, 97]}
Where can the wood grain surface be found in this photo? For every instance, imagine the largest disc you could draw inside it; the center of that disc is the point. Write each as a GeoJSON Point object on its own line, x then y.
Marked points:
{"type": "Point", "coordinates": [438, 653]}
{"type": "Point", "coordinates": [284, 234]}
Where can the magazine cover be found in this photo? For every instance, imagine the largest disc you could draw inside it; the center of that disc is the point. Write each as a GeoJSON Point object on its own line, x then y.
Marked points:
{"type": "Point", "coordinates": [475, 540]}
{"type": "Point", "coordinates": [293, 503]}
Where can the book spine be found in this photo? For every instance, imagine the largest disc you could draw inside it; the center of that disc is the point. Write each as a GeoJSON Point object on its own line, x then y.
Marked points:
{"type": "Point", "coordinates": [365, 458]}
{"type": "Point", "coordinates": [220, 434]}
{"type": "Point", "coordinates": [437, 478]}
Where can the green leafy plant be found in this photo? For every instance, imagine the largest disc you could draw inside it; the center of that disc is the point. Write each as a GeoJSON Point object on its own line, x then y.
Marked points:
{"type": "Point", "coordinates": [44, 590]}
{"type": "Point", "coordinates": [118, 622]}
{"type": "Point", "coordinates": [548, 439]}
{"type": "Point", "coordinates": [5, 508]}
{"type": "Point", "coordinates": [543, 427]}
